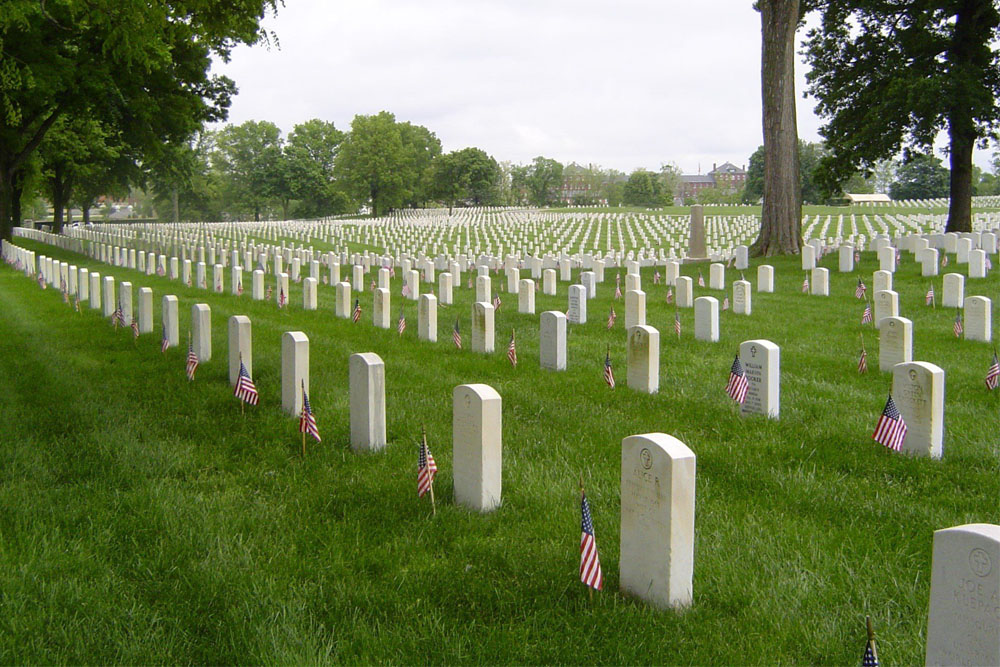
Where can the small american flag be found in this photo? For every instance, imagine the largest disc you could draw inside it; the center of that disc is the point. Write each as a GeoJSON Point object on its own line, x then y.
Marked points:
{"type": "Point", "coordinates": [281, 298]}
{"type": "Point", "coordinates": [670, 295]}
{"type": "Point", "coordinates": [944, 260]}
{"type": "Point", "coordinates": [218, 287]}
{"type": "Point", "coordinates": [677, 323]}
{"type": "Point", "coordinates": [993, 374]}
{"type": "Point", "coordinates": [77, 304]}
{"type": "Point", "coordinates": [609, 375]}
{"type": "Point", "coordinates": [239, 288]}
{"type": "Point", "coordinates": [401, 323]}
{"type": "Point", "coordinates": [656, 277]}
{"type": "Point", "coordinates": [496, 302]}
{"type": "Point", "coordinates": [731, 260]}
{"type": "Point", "coordinates": [269, 293]}
{"type": "Point", "coordinates": [870, 658]}
{"type": "Point", "coordinates": [863, 362]}
{"type": "Point", "coordinates": [357, 311]}
{"type": "Point", "coordinates": [866, 317]}
{"type": "Point", "coordinates": [805, 285]}
{"type": "Point", "coordinates": [189, 281]}
{"type": "Point", "coordinates": [590, 564]}
{"type": "Point", "coordinates": [456, 336]}
{"type": "Point", "coordinates": [135, 328]}
{"type": "Point", "coordinates": [857, 256]}
{"type": "Point", "coordinates": [118, 316]}
{"type": "Point", "coordinates": [307, 421]}
{"type": "Point", "coordinates": [245, 389]}
{"type": "Point", "coordinates": [512, 350]}
{"type": "Point", "coordinates": [65, 297]}
{"type": "Point", "coordinates": [618, 291]}
{"type": "Point", "coordinates": [725, 303]}
{"type": "Point", "coordinates": [738, 385]}
{"type": "Point", "coordinates": [929, 297]}
{"type": "Point", "coordinates": [406, 290]}
{"type": "Point", "coordinates": [164, 341]}
{"type": "Point", "coordinates": [860, 290]}
{"type": "Point", "coordinates": [891, 429]}
{"type": "Point", "coordinates": [160, 271]}
{"type": "Point", "coordinates": [958, 325]}
{"type": "Point", "coordinates": [374, 286]}
{"type": "Point", "coordinates": [192, 361]}
{"type": "Point", "coordinates": [392, 271]}
{"type": "Point", "coordinates": [41, 281]}
{"type": "Point", "coordinates": [612, 317]}
{"type": "Point", "coordinates": [426, 469]}
{"type": "Point", "coordinates": [701, 280]}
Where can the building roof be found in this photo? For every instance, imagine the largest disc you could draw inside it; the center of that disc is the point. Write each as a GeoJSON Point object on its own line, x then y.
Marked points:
{"type": "Point", "coordinates": [877, 198]}
{"type": "Point", "coordinates": [727, 168]}
{"type": "Point", "coordinates": [697, 178]}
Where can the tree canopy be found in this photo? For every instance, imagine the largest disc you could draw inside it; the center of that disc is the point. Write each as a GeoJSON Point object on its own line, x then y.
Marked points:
{"type": "Point", "coordinates": [140, 67]}
{"type": "Point", "coordinates": [892, 75]}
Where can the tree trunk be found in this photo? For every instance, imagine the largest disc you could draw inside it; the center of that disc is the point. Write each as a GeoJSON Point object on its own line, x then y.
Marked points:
{"type": "Point", "coordinates": [6, 205]}
{"type": "Point", "coordinates": [59, 197]}
{"type": "Point", "coordinates": [781, 215]}
{"type": "Point", "coordinates": [970, 27]}
{"type": "Point", "coordinates": [175, 201]}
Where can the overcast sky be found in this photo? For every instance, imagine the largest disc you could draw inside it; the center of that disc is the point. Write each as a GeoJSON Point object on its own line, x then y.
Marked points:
{"type": "Point", "coordinates": [620, 84]}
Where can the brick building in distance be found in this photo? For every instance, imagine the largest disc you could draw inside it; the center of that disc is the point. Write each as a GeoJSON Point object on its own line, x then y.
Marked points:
{"type": "Point", "coordinates": [727, 177]}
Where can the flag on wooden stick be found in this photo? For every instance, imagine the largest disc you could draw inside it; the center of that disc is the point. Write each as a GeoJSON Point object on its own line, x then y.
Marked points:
{"type": "Point", "coordinates": [590, 563]}
{"type": "Point", "coordinates": [993, 374]}
{"type": "Point", "coordinates": [609, 375]}
{"type": "Point", "coordinates": [426, 469]}
{"type": "Point", "coordinates": [192, 361]}
{"type": "Point", "coordinates": [612, 317]}
{"type": "Point", "coordinates": [866, 317]}
{"type": "Point", "coordinates": [891, 429]}
{"type": "Point", "coordinates": [957, 328]}
{"type": "Point", "coordinates": [512, 350]}
{"type": "Point", "coordinates": [456, 336]}
{"type": "Point", "coordinates": [357, 311]}
{"type": "Point", "coordinates": [307, 420]}
{"type": "Point", "coordinates": [245, 389]}
{"type": "Point", "coordinates": [401, 323]}
{"type": "Point", "coordinates": [860, 290]}
{"type": "Point", "coordinates": [929, 297]}
{"type": "Point", "coordinates": [870, 658]}
{"type": "Point", "coordinates": [738, 385]}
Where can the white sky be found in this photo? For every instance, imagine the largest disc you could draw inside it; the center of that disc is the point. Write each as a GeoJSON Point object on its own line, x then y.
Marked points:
{"type": "Point", "coordinates": [620, 83]}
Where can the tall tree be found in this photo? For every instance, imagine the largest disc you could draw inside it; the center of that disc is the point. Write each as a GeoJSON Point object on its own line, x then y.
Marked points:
{"type": "Point", "coordinates": [890, 75]}
{"type": "Point", "coordinates": [644, 188]}
{"type": "Point", "coordinates": [372, 162]}
{"type": "Point", "coordinates": [781, 214]}
{"type": "Point", "coordinates": [469, 174]}
{"type": "Point", "coordinates": [544, 180]}
{"type": "Point", "coordinates": [250, 159]}
{"type": "Point", "coordinates": [142, 66]}
{"type": "Point", "coordinates": [420, 147]}
{"type": "Point", "coordinates": [310, 155]}
{"type": "Point", "coordinates": [920, 176]}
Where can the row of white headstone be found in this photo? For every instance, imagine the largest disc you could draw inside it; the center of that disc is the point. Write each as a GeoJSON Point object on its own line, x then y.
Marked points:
{"type": "Point", "coordinates": [657, 484]}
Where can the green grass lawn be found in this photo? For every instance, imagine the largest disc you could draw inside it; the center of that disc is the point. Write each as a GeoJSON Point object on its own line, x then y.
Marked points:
{"type": "Point", "coordinates": [143, 519]}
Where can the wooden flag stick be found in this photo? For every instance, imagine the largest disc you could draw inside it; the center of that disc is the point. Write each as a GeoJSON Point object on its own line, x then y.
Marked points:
{"type": "Point", "coordinates": [430, 477]}
{"type": "Point", "coordinates": [862, 337]}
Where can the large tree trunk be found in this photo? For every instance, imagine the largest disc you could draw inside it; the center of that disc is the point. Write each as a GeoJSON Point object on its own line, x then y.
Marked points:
{"type": "Point", "coordinates": [781, 215]}
{"type": "Point", "coordinates": [962, 56]}
{"type": "Point", "coordinates": [6, 202]}
{"type": "Point", "coordinates": [59, 197]}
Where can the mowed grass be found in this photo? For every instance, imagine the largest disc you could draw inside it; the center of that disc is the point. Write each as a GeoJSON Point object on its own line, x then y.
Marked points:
{"type": "Point", "coordinates": [144, 519]}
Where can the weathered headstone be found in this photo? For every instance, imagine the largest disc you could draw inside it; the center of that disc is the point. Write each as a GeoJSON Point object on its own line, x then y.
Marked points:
{"type": "Point", "coordinates": [95, 290]}
{"type": "Point", "coordinates": [445, 289]}
{"type": "Point", "coordinates": [526, 297]}
{"type": "Point", "coordinates": [240, 347]}
{"type": "Point", "coordinates": [954, 291]}
{"type": "Point", "coordinates": [427, 318]}
{"type": "Point", "coordinates": [342, 303]}
{"type": "Point", "coordinates": [125, 299]}
{"type": "Point", "coordinates": [808, 258]}
{"type": "Point", "coordinates": [685, 292]}
{"type": "Point", "coordinates": [761, 360]}
{"type": "Point", "coordinates": [742, 297]}
{"type": "Point", "coordinates": [552, 340]}
{"type": "Point", "coordinates": [201, 331]}
{"type": "Point", "coordinates": [145, 310]}
{"type": "Point", "coordinates": [108, 296]}
{"type": "Point", "coordinates": [895, 342]}
{"type": "Point", "coordinates": [258, 285]}
{"type": "Point", "coordinates": [765, 278]}
{"type": "Point", "coordinates": [657, 520]}
{"type": "Point", "coordinates": [309, 288]}
{"type": "Point", "coordinates": [978, 319]}
{"type": "Point", "coordinates": [887, 259]}
{"type": "Point", "coordinates": [820, 282]}
{"type": "Point", "coordinates": [846, 258]}
{"type": "Point", "coordinates": [717, 276]}
{"type": "Point", "coordinates": [482, 327]}
{"type": "Point", "coordinates": [742, 262]}
{"type": "Point", "coordinates": [381, 308]}
{"type": "Point", "coordinates": [962, 624]}
{"type": "Point", "coordinates": [706, 319]}
{"type": "Point", "coordinates": [477, 446]}
{"type": "Point", "coordinates": [635, 308]}
{"type": "Point", "coordinates": [918, 391]}
{"type": "Point", "coordinates": [977, 264]}
{"type": "Point", "coordinates": [643, 359]}
{"type": "Point", "coordinates": [168, 315]}
{"type": "Point", "coordinates": [928, 262]}
{"type": "Point", "coordinates": [294, 371]}
{"type": "Point", "coordinates": [881, 281]}
{"type": "Point", "coordinates": [484, 289]}
{"type": "Point", "coordinates": [367, 382]}
{"type": "Point", "coordinates": [577, 313]}
{"type": "Point", "coordinates": [549, 282]}
{"type": "Point", "coordinates": [886, 305]}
